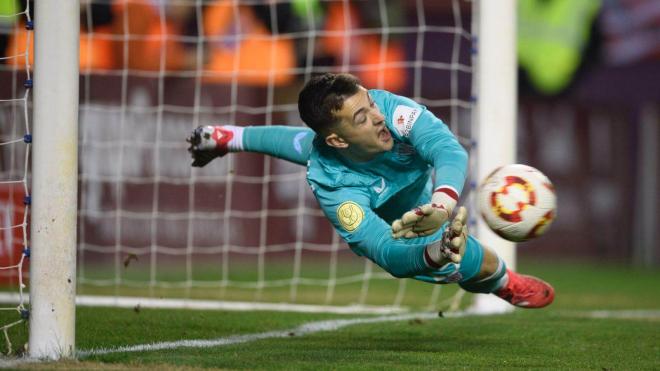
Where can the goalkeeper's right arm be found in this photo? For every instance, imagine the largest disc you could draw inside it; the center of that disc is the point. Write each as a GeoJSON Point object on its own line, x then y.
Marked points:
{"type": "Point", "coordinates": [291, 143]}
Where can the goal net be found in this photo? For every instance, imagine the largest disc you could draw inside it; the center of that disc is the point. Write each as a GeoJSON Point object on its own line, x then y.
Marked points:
{"type": "Point", "coordinates": [245, 229]}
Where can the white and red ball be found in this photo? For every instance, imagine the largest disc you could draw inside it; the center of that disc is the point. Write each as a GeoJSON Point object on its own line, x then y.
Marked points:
{"type": "Point", "coordinates": [517, 202]}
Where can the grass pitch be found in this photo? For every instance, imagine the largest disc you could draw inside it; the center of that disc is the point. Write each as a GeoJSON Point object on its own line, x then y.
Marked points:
{"type": "Point", "coordinates": [563, 336]}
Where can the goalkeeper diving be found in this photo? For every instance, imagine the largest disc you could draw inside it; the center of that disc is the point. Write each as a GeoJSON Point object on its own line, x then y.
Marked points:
{"type": "Point", "coordinates": [370, 157]}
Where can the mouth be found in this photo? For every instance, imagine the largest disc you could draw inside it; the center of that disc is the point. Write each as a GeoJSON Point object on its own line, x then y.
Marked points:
{"type": "Point", "coordinates": [385, 135]}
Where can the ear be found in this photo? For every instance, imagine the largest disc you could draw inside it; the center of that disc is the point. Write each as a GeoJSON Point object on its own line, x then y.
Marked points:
{"type": "Point", "coordinates": [334, 140]}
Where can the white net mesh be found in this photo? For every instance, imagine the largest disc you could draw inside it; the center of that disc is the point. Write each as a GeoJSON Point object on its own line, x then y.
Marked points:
{"type": "Point", "coordinates": [15, 139]}
{"type": "Point", "coordinates": [245, 227]}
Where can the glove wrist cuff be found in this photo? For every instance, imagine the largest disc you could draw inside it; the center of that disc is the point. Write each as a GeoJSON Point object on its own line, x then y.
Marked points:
{"type": "Point", "coordinates": [444, 197]}
{"type": "Point", "coordinates": [228, 138]}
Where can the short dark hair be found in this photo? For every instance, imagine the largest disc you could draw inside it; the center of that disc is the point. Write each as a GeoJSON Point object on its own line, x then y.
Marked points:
{"type": "Point", "coordinates": [321, 96]}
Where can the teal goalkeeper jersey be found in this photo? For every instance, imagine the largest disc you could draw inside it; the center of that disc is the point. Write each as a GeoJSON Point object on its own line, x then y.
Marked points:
{"type": "Point", "coordinates": [362, 199]}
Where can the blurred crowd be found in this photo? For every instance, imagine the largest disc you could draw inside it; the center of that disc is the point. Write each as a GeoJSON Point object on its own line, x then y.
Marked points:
{"type": "Point", "coordinates": [258, 44]}
{"type": "Point", "coordinates": [267, 42]}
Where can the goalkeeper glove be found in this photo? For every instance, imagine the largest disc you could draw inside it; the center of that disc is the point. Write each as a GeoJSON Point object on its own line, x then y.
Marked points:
{"type": "Point", "coordinates": [426, 219]}
{"type": "Point", "coordinates": [208, 142]}
{"type": "Point", "coordinates": [454, 240]}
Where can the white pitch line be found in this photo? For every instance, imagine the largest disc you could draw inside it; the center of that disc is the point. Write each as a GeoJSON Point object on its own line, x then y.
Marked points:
{"type": "Point", "coordinates": [333, 325]}
{"type": "Point", "coordinates": [196, 304]}
{"type": "Point", "coordinates": [616, 314]}
{"type": "Point", "coordinates": [313, 327]}
{"type": "Point", "coordinates": [305, 329]}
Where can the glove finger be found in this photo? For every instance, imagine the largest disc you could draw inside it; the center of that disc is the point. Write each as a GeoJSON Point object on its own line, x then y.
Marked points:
{"type": "Point", "coordinates": [461, 215]}
{"type": "Point", "coordinates": [201, 158]}
{"type": "Point", "coordinates": [401, 233]}
{"type": "Point", "coordinates": [410, 234]}
{"type": "Point", "coordinates": [459, 221]}
{"type": "Point", "coordinates": [424, 233]}
{"type": "Point", "coordinates": [427, 226]}
{"type": "Point", "coordinates": [427, 209]}
{"type": "Point", "coordinates": [456, 228]}
{"type": "Point", "coordinates": [427, 232]}
{"type": "Point", "coordinates": [412, 217]}
{"type": "Point", "coordinates": [456, 243]}
{"type": "Point", "coordinates": [397, 226]}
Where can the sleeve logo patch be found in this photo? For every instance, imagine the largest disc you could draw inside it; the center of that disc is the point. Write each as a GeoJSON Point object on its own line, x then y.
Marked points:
{"type": "Point", "coordinates": [404, 119]}
{"type": "Point", "coordinates": [296, 141]}
{"type": "Point", "coordinates": [350, 215]}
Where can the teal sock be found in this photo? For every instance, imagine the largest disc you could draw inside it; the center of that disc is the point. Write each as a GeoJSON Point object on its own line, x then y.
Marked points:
{"type": "Point", "coordinates": [489, 284]}
{"type": "Point", "coordinates": [289, 143]}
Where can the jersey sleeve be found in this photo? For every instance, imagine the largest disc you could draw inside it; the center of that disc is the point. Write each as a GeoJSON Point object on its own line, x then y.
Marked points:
{"type": "Point", "coordinates": [368, 235]}
{"type": "Point", "coordinates": [431, 138]}
{"type": "Point", "coordinates": [290, 143]}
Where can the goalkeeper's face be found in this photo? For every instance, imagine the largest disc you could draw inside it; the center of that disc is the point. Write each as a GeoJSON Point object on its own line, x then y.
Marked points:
{"type": "Point", "coordinates": [361, 129]}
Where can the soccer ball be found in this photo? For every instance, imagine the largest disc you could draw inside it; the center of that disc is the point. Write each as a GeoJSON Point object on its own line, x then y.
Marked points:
{"type": "Point", "coordinates": [517, 202]}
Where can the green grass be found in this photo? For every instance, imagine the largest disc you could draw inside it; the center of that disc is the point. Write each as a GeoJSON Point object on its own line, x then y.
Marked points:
{"type": "Point", "coordinates": [381, 291]}
{"type": "Point", "coordinates": [558, 337]}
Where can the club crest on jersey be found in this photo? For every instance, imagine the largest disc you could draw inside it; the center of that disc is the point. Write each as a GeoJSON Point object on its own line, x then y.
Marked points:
{"type": "Point", "coordinates": [404, 119]}
{"type": "Point", "coordinates": [350, 215]}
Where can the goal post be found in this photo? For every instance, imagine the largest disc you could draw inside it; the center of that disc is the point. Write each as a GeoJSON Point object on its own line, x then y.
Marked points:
{"type": "Point", "coordinates": [54, 180]}
{"type": "Point", "coordinates": [494, 113]}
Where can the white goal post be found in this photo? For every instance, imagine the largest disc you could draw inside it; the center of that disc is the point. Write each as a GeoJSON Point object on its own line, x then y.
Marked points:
{"type": "Point", "coordinates": [495, 111]}
{"type": "Point", "coordinates": [54, 180]}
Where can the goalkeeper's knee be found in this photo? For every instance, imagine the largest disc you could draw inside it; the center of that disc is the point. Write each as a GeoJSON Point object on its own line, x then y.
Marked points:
{"type": "Point", "coordinates": [488, 284]}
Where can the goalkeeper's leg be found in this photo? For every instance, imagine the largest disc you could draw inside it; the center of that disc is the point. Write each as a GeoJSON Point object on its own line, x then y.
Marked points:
{"type": "Point", "coordinates": [286, 142]}
{"type": "Point", "coordinates": [482, 271]}
{"type": "Point", "coordinates": [520, 290]}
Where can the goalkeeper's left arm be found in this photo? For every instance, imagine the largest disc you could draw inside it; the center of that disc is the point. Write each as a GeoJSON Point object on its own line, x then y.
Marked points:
{"type": "Point", "coordinates": [438, 146]}
{"type": "Point", "coordinates": [368, 235]}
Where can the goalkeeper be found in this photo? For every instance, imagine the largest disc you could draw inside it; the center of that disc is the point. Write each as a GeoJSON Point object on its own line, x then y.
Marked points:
{"type": "Point", "coordinates": [370, 155]}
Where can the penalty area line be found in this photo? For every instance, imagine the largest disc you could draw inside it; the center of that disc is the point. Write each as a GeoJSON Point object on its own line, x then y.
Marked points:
{"type": "Point", "coordinates": [334, 325]}
{"type": "Point", "coordinates": [305, 329]}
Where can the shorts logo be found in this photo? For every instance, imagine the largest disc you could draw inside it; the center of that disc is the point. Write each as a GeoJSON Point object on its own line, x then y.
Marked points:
{"type": "Point", "coordinates": [405, 119]}
{"type": "Point", "coordinates": [350, 215]}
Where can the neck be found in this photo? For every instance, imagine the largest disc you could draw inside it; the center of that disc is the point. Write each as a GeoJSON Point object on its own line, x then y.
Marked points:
{"type": "Point", "coordinates": [356, 156]}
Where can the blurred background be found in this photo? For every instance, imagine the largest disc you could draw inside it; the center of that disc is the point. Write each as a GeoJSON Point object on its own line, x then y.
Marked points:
{"type": "Point", "coordinates": [589, 106]}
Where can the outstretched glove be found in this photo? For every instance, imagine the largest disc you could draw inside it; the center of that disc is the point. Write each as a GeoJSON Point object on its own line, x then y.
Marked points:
{"type": "Point", "coordinates": [208, 142]}
{"type": "Point", "coordinates": [426, 219]}
{"type": "Point", "coordinates": [454, 240]}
